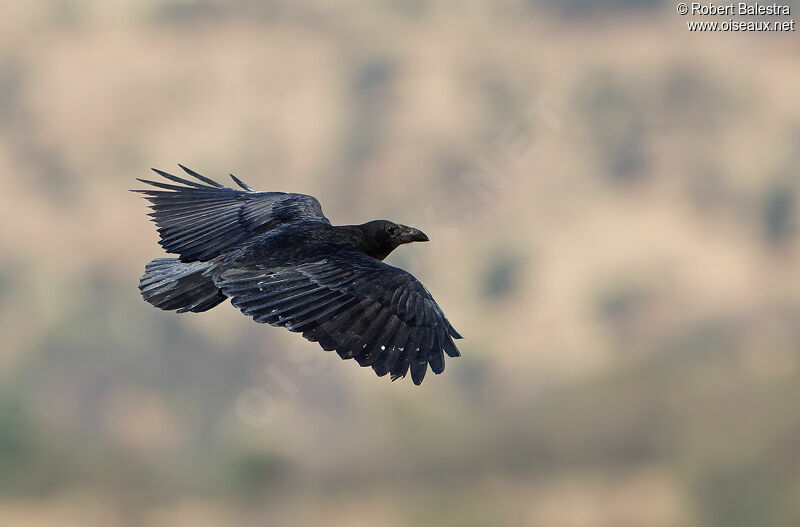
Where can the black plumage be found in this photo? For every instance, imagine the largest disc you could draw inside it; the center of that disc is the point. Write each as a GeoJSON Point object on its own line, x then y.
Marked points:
{"type": "Point", "coordinates": [281, 262]}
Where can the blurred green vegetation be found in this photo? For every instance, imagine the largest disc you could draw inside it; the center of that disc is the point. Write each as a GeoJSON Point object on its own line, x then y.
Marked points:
{"type": "Point", "coordinates": [615, 120]}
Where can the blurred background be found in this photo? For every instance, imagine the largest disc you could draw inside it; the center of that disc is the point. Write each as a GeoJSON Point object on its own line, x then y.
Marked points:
{"type": "Point", "coordinates": [613, 208]}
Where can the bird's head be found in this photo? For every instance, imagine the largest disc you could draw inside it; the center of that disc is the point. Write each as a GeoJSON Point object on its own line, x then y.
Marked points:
{"type": "Point", "coordinates": [384, 236]}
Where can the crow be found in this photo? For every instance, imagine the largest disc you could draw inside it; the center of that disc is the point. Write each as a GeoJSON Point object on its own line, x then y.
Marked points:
{"type": "Point", "coordinates": [281, 262]}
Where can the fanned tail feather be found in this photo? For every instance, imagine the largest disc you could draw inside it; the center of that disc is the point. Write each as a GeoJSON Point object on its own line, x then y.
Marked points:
{"type": "Point", "coordinates": [170, 284]}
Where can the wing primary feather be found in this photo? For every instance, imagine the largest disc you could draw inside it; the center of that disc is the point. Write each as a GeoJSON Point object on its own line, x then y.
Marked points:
{"type": "Point", "coordinates": [337, 326]}
{"type": "Point", "coordinates": [450, 347]}
{"type": "Point", "coordinates": [210, 243]}
{"type": "Point", "coordinates": [386, 340]}
{"type": "Point", "coordinates": [159, 185]}
{"type": "Point", "coordinates": [202, 232]}
{"type": "Point", "coordinates": [201, 178]}
{"type": "Point", "coordinates": [188, 214]}
{"type": "Point", "coordinates": [178, 179]}
{"type": "Point", "coordinates": [400, 366]}
{"type": "Point", "coordinates": [357, 328]}
{"type": "Point", "coordinates": [397, 356]}
{"type": "Point", "coordinates": [241, 183]}
{"type": "Point", "coordinates": [370, 348]}
{"type": "Point", "coordinates": [419, 356]}
{"type": "Point", "coordinates": [436, 355]}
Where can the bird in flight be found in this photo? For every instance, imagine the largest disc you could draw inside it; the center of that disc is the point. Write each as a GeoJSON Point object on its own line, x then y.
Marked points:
{"type": "Point", "coordinates": [281, 262]}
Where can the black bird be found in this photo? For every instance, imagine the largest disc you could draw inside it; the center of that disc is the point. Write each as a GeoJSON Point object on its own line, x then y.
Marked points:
{"type": "Point", "coordinates": [280, 261]}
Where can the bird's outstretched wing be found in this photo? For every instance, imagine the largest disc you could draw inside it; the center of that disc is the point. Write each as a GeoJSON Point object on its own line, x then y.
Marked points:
{"type": "Point", "coordinates": [364, 309]}
{"type": "Point", "coordinates": [199, 221]}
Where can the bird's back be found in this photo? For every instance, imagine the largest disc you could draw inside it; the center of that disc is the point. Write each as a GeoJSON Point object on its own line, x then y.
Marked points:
{"type": "Point", "coordinates": [290, 243]}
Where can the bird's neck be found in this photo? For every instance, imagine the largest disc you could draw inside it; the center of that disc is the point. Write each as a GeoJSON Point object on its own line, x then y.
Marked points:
{"type": "Point", "coordinates": [359, 236]}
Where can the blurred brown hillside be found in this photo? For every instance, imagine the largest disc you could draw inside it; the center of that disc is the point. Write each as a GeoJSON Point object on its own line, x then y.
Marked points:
{"type": "Point", "coordinates": [613, 208]}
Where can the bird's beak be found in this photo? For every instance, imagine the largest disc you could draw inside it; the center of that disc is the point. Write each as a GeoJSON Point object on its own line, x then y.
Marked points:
{"type": "Point", "coordinates": [410, 234]}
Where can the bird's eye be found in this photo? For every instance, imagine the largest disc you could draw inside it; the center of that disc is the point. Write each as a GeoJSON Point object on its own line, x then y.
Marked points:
{"type": "Point", "coordinates": [391, 230]}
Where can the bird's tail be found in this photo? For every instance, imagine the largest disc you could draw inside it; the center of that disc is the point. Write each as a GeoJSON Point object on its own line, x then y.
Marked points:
{"type": "Point", "coordinates": [170, 284]}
